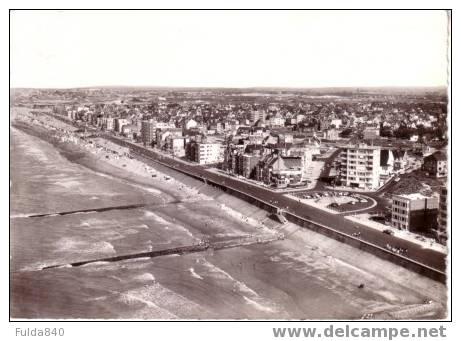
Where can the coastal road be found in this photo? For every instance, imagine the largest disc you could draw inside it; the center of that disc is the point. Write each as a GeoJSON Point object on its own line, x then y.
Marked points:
{"type": "Point", "coordinates": [416, 252]}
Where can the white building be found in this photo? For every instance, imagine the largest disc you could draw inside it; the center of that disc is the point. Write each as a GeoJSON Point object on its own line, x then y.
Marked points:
{"type": "Point", "coordinates": [191, 124]}
{"type": "Point", "coordinates": [165, 125]}
{"type": "Point", "coordinates": [360, 166]}
{"type": "Point", "coordinates": [209, 153]}
{"type": "Point", "coordinates": [277, 121]}
{"type": "Point", "coordinates": [177, 145]}
{"type": "Point", "coordinates": [336, 122]}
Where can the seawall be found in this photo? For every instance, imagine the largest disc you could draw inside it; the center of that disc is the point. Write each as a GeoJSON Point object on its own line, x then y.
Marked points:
{"type": "Point", "coordinates": [382, 253]}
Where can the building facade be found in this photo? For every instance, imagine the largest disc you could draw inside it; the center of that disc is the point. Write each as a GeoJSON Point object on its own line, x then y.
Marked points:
{"type": "Point", "coordinates": [148, 132]}
{"type": "Point", "coordinates": [414, 212]}
{"type": "Point", "coordinates": [443, 212]}
{"type": "Point", "coordinates": [360, 167]}
{"type": "Point", "coordinates": [208, 153]}
{"type": "Point", "coordinates": [436, 164]}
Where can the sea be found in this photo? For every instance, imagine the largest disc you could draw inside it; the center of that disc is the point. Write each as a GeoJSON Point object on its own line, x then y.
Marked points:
{"type": "Point", "coordinates": [299, 278]}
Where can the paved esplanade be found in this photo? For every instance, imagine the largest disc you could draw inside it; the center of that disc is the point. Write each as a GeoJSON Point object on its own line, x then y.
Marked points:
{"type": "Point", "coordinates": [416, 252]}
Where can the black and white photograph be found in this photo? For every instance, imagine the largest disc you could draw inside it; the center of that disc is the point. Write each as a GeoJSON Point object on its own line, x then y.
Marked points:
{"type": "Point", "coordinates": [242, 165]}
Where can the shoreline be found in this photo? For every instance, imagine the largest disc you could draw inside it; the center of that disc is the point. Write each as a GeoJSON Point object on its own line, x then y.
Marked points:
{"type": "Point", "coordinates": [326, 242]}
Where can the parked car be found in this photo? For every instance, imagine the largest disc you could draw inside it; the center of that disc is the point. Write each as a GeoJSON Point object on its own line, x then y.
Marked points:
{"type": "Point", "coordinates": [389, 232]}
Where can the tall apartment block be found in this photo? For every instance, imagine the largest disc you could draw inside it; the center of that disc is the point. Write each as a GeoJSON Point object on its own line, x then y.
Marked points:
{"type": "Point", "coordinates": [148, 132]}
{"type": "Point", "coordinates": [443, 212]}
{"type": "Point", "coordinates": [360, 166]}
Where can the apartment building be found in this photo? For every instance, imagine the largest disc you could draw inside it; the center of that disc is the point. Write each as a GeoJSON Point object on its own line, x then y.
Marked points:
{"type": "Point", "coordinates": [208, 153]}
{"type": "Point", "coordinates": [257, 115]}
{"type": "Point", "coordinates": [120, 123]}
{"type": "Point", "coordinates": [414, 212]}
{"type": "Point", "coordinates": [107, 123]}
{"type": "Point", "coordinates": [443, 211]}
{"type": "Point", "coordinates": [360, 167]}
{"type": "Point", "coordinates": [176, 145]}
{"type": "Point", "coordinates": [148, 132]}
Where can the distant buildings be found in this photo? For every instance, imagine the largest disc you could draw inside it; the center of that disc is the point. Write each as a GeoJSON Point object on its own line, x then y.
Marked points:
{"type": "Point", "coordinates": [331, 134]}
{"type": "Point", "coordinates": [257, 140]}
{"type": "Point", "coordinates": [258, 115]}
{"type": "Point", "coordinates": [189, 124]}
{"type": "Point", "coordinates": [436, 164]}
{"type": "Point", "coordinates": [414, 212]}
{"type": "Point", "coordinates": [277, 121]}
{"type": "Point", "coordinates": [370, 133]}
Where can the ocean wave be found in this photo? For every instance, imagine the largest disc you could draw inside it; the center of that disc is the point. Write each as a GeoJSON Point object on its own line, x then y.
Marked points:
{"type": "Point", "coordinates": [22, 215]}
{"type": "Point", "coordinates": [159, 299]}
{"type": "Point", "coordinates": [240, 285]}
{"type": "Point", "coordinates": [145, 277]}
{"type": "Point", "coordinates": [237, 215]}
{"type": "Point", "coordinates": [194, 274]}
{"type": "Point", "coordinates": [258, 306]}
{"type": "Point", "coordinates": [167, 224]}
{"type": "Point", "coordinates": [142, 226]}
{"type": "Point", "coordinates": [184, 229]}
{"type": "Point", "coordinates": [38, 266]}
{"type": "Point", "coordinates": [151, 311]}
{"type": "Point", "coordinates": [68, 184]}
{"type": "Point", "coordinates": [157, 218]}
{"type": "Point", "coordinates": [78, 246]}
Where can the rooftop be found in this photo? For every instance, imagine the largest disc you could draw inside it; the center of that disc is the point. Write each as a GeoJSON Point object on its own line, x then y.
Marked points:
{"type": "Point", "coordinates": [413, 196]}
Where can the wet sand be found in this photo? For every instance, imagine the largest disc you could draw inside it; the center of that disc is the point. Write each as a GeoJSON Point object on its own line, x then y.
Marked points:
{"type": "Point", "coordinates": [307, 276]}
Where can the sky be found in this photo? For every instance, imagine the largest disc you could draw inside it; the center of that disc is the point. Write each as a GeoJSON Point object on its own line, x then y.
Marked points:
{"type": "Point", "coordinates": [62, 49]}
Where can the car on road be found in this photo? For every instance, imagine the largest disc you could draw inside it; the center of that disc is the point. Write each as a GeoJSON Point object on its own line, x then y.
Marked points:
{"type": "Point", "coordinates": [389, 232]}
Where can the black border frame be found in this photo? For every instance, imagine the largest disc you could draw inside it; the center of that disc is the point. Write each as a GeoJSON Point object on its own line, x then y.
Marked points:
{"type": "Point", "coordinates": [450, 105]}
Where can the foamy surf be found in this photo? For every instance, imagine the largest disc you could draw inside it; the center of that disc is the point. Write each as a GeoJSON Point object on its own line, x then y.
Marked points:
{"type": "Point", "coordinates": [258, 305]}
{"type": "Point", "coordinates": [221, 273]}
{"type": "Point", "coordinates": [194, 274]}
{"type": "Point", "coordinates": [162, 300]}
{"type": "Point", "coordinates": [157, 218]}
{"type": "Point", "coordinates": [167, 224]}
{"type": "Point", "coordinates": [66, 245]}
{"type": "Point", "coordinates": [145, 277]}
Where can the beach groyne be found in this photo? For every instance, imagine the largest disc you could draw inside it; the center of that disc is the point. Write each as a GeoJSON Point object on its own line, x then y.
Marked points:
{"type": "Point", "coordinates": [180, 250]}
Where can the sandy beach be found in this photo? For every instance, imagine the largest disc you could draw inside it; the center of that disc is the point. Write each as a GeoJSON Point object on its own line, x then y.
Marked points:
{"type": "Point", "coordinates": [307, 276]}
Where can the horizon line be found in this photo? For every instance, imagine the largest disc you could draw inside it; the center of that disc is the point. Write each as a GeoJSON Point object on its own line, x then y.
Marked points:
{"type": "Point", "coordinates": [236, 87]}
